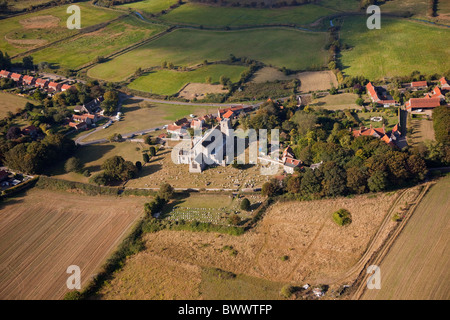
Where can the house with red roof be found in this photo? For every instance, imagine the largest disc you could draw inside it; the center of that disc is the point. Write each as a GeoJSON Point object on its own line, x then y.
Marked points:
{"type": "Point", "coordinates": [30, 131]}
{"type": "Point", "coordinates": [55, 86]}
{"type": "Point", "coordinates": [421, 104]}
{"type": "Point", "coordinates": [376, 97]}
{"type": "Point", "coordinates": [436, 93]}
{"type": "Point", "coordinates": [444, 84]}
{"type": "Point", "coordinates": [65, 87]}
{"type": "Point", "coordinates": [29, 80]}
{"type": "Point", "coordinates": [5, 74]}
{"type": "Point", "coordinates": [380, 133]}
{"type": "Point", "coordinates": [17, 77]}
{"type": "Point", "coordinates": [289, 162]}
{"type": "Point", "coordinates": [419, 85]}
{"type": "Point", "coordinates": [42, 83]}
{"type": "Point", "coordinates": [78, 125]}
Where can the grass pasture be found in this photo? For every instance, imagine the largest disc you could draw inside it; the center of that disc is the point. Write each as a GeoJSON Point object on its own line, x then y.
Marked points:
{"type": "Point", "coordinates": [214, 16]}
{"type": "Point", "coordinates": [44, 232]}
{"type": "Point", "coordinates": [73, 54]}
{"type": "Point", "coordinates": [397, 49]}
{"type": "Point", "coordinates": [281, 47]}
{"type": "Point", "coordinates": [416, 267]}
{"type": "Point", "coordinates": [169, 82]}
{"type": "Point", "coordinates": [336, 102]}
{"type": "Point", "coordinates": [10, 102]}
{"type": "Point", "coordinates": [22, 39]}
{"type": "Point", "coordinates": [149, 6]}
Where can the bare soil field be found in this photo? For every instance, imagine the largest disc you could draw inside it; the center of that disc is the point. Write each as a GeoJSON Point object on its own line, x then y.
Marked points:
{"type": "Point", "coordinates": [316, 248]}
{"type": "Point", "coordinates": [40, 22]}
{"type": "Point", "coordinates": [200, 90]}
{"type": "Point", "coordinates": [310, 81]}
{"type": "Point", "coordinates": [44, 232]}
{"type": "Point", "coordinates": [416, 267]}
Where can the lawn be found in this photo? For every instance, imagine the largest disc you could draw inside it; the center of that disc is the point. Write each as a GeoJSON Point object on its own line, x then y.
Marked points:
{"type": "Point", "coordinates": [149, 6]}
{"type": "Point", "coordinates": [397, 49]}
{"type": "Point", "coordinates": [72, 54]}
{"type": "Point", "coordinates": [169, 82]}
{"type": "Point", "coordinates": [277, 46]}
{"type": "Point", "coordinates": [390, 115]}
{"type": "Point", "coordinates": [199, 14]}
{"type": "Point", "coordinates": [11, 102]}
{"type": "Point", "coordinates": [23, 39]}
{"type": "Point", "coordinates": [416, 266]}
{"type": "Point", "coordinates": [336, 102]}
{"type": "Point", "coordinates": [422, 131]}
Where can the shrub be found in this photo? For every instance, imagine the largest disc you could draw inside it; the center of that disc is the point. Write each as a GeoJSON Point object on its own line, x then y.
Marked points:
{"type": "Point", "coordinates": [342, 217]}
{"type": "Point", "coordinates": [73, 295]}
{"type": "Point", "coordinates": [245, 204]}
{"type": "Point", "coordinates": [287, 291]}
{"type": "Point", "coordinates": [234, 220]}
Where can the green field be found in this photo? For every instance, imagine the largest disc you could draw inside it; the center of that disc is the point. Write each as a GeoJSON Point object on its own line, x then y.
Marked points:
{"type": "Point", "coordinates": [397, 49]}
{"type": "Point", "coordinates": [12, 28]}
{"type": "Point", "coordinates": [198, 14]}
{"type": "Point", "coordinates": [73, 54]}
{"type": "Point", "coordinates": [169, 82]}
{"type": "Point", "coordinates": [149, 6]}
{"type": "Point", "coordinates": [276, 46]}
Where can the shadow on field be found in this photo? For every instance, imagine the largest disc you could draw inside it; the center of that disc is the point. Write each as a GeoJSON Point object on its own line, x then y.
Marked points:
{"type": "Point", "coordinates": [149, 169]}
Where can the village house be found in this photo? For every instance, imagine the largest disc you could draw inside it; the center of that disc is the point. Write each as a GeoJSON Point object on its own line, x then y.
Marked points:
{"type": "Point", "coordinates": [42, 83]}
{"type": "Point", "coordinates": [55, 86]}
{"type": "Point", "coordinates": [29, 80]}
{"type": "Point", "coordinates": [65, 87]}
{"type": "Point", "coordinates": [289, 162]}
{"type": "Point", "coordinates": [419, 85]}
{"type": "Point", "coordinates": [90, 119]}
{"type": "Point", "coordinates": [5, 74]}
{"type": "Point", "coordinates": [444, 84]}
{"type": "Point", "coordinates": [17, 77]}
{"type": "Point", "coordinates": [78, 126]}
{"type": "Point", "coordinates": [380, 133]}
{"type": "Point", "coordinates": [30, 131]}
{"type": "Point", "coordinates": [92, 107]}
{"type": "Point", "coordinates": [379, 96]}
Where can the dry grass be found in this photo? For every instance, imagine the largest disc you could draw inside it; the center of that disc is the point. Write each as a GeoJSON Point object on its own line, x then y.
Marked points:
{"type": "Point", "coordinates": [310, 81]}
{"type": "Point", "coordinates": [417, 265]}
{"type": "Point", "coordinates": [318, 249]}
{"type": "Point", "coordinates": [10, 102]}
{"type": "Point", "coordinates": [200, 90]}
{"type": "Point", "coordinates": [340, 101]}
{"type": "Point", "coordinates": [44, 232]}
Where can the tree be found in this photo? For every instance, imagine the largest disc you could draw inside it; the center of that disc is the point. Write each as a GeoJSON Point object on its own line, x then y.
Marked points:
{"type": "Point", "coordinates": [359, 101]}
{"type": "Point", "coordinates": [73, 164]}
{"type": "Point", "coordinates": [145, 157]}
{"type": "Point", "coordinates": [138, 165]}
{"type": "Point", "coordinates": [377, 181]}
{"type": "Point", "coordinates": [357, 180]}
{"type": "Point", "coordinates": [342, 217]}
{"type": "Point", "coordinates": [27, 63]}
{"type": "Point", "coordinates": [152, 151]}
{"type": "Point", "coordinates": [270, 188]}
{"type": "Point", "coordinates": [245, 204]}
{"type": "Point", "coordinates": [118, 169]}
{"type": "Point", "coordinates": [224, 80]}
{"type": "Point", "coordinates": [208, 79]}
{"type": "Point", "coordinates": [166, 191]}
{"type": "Point", "coordinates": [234, 220]}
{"type": "Point", "coordinates": [334, 179]}
{"type": "Point", "coordinates": [148, 140]}
{"type": "Point", "coordinates": [304, 121]}
{"type": "Point", "coordinates": [13, 133]}
{"type": "Point", "coordinates": [293, 185]}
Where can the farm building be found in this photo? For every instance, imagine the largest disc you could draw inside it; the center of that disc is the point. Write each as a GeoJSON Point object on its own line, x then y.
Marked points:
{"type": "Point", "coordinates": [88, 118]}
{"type": "Point", "coordinates": [422, 104]}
